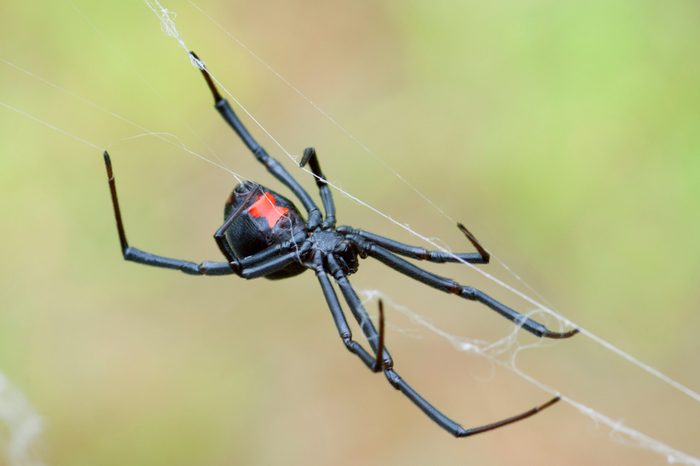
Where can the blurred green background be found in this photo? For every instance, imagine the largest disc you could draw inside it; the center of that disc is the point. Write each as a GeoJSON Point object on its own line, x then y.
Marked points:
{"type": "Point", "coordinates": [565, 135]}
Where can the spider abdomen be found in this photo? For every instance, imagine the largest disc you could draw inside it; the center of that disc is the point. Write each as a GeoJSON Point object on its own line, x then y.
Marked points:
{"type": "Point", "coordinates": [266, 219]}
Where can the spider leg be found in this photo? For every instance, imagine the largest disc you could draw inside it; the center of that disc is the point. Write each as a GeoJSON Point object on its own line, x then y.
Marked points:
{"type": "Point", "coordinates": [379, 358]}
{"type": "Point", "coordinates": [260, 264]}
{"type": "Point", "coordinates": [338, 316]}
{"type": "Point", "coordinates": [143, 257]}
{"type": "Point", "coordinates": [450, 286]}
{"type": "Point", "coordinates": [269, 265]}
{"type": "Point", "coordinates": [358, 311]}
{"type": "Point", "coordinates": [325, 191]}
{"type": "Point", "coordinates": [387, 365]}
{"type": "Point", "coordinates": [445, 422]}
{"type": "Point", "coordinates": [273, 166]}
{"type": "Point", "coordinates": [414, 252]}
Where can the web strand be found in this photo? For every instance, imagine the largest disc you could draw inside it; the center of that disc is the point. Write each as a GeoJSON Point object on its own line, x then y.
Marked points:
{"type": "Point", "coordinates": [127, 62]}
{"type": "Point", "coordinates": [164, 136]}
{"type": "Point", "coordinates": [50, 126]}
{"type": "Point", "coordinates": [24, 425]}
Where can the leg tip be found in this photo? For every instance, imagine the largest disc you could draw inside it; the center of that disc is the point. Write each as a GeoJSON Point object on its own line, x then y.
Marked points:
{"type": "Point", "coordinates": [546, 405]}
{"type": "Point", "coordinates": [308, 153]}
{"type": "Point", "coordinates": [200, 64]}
{"type": "Point", "coordinates": [108, 163]}
{"type": "Point", "coordinates": [196, 61]}
{"type": "Point", "coordinates": [475, 242]}
{"type": "Point", "coordinates": [560, 335]}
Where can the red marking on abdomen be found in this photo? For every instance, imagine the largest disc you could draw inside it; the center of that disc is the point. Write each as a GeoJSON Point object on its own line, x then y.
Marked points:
{"type": "Point", "coordinates": [265, 207]}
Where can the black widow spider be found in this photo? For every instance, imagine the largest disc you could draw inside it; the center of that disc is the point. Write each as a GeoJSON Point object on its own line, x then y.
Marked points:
{"type": "Point", "coordinates": [264, 235]}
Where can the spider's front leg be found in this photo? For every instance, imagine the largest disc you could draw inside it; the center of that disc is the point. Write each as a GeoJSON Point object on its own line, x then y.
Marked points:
{"type": "Point", "coordinates": [482, 256]}
{"type": "Point", "coordinates": [369, 248]}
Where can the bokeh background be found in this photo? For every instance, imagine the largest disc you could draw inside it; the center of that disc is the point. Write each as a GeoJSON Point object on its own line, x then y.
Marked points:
{"type": "Point", "coordinates": [565, 135]}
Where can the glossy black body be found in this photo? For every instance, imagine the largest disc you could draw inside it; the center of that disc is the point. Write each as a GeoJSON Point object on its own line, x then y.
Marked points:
{"type": "Point", "coordinates": [280, 243]}
{"type": "Point", "coordinates": [249, 234]}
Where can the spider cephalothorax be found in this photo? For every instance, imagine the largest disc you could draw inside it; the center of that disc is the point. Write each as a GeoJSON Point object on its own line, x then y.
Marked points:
{"type": "Point", "coordinates": [265, 235]}
{"type": "Point", "coordinates": [338, 248]}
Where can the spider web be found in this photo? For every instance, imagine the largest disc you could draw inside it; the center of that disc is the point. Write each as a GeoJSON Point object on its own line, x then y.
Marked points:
{"type": "Point", "coordinates": [22, 426]}
{"type": "Point", "coordinates": [503, 352]}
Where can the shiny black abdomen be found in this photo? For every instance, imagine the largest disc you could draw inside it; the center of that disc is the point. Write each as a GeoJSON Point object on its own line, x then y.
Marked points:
{"type": "Point", "coordinates": [267, 219]}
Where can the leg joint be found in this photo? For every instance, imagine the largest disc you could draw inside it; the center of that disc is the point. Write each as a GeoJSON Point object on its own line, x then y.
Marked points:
{"type": "Point", "coordinates": [349, 342]}
{"type": "Point", "coordinates": [392, 377]}
{"type": "Point", "coordinates": [468, 292]}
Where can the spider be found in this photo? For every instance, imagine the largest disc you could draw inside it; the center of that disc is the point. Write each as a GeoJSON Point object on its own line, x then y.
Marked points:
{"type": "Point", "coordinates": [265, 235]}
